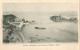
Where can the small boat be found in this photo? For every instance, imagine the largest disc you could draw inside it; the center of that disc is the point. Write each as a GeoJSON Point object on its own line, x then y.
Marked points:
{"type": "Point", "coordinates": [40, 28]}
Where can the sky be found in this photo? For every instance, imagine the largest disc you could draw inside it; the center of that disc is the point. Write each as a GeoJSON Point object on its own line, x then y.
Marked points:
{"type": "Point", "coordinates": [40, 7]}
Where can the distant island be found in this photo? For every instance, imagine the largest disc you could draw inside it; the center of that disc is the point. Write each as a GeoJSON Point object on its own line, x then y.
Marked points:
{"type": "Point", "coordinates": [62, 19]}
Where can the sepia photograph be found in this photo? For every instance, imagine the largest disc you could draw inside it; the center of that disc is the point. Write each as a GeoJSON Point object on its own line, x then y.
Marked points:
{"type": "Point", "coordinates": [40, 23]}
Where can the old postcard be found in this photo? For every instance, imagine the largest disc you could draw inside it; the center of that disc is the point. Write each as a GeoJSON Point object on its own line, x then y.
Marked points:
{"type": "Point", "coordinates": [43, 25]}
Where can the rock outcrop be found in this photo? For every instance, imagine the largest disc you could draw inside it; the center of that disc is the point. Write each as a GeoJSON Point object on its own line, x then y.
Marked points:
{"type": "Point", "coordinates": [62, 19]}
{"type": "Point", "coordinates": [10, 18]}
